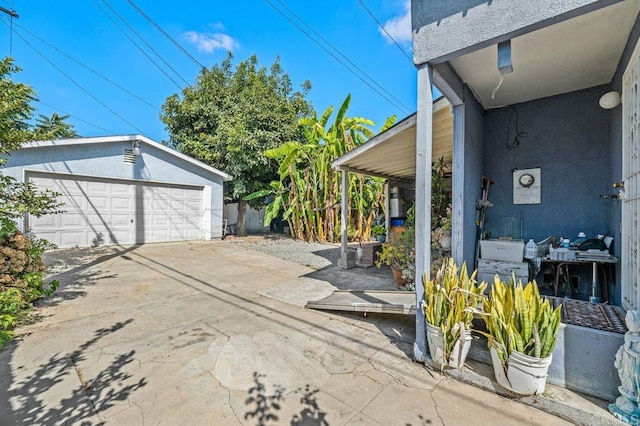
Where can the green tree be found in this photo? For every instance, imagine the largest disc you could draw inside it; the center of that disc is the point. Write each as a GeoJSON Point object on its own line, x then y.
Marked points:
{"type": "Point", "coordinates": [15, 110]}
{"type": "Point", "coordinates": [54, 127]}
{"type": "Point", "coordinates": [20, 262]}
{"type": "Point", "coordinates": [229, 117]}
{"type": "Point", "coordinates": [17, 198]}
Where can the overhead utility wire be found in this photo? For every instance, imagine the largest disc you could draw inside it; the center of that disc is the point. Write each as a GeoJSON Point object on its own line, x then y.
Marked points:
{"type": "Point", "coordinates": [107, 79]}
{"type": "Point", "coordinates": [385, 31]}
{"type": "Point", "coordinates": [137, 45]}
{"type": "Point", "coordinates": [159, 28]}
{"type": "Point", "coordinates": [76, 117]}
{"type": "Point", "coordinates": [79, 86]}
{"type": "Point", "coordinates": [399, 102]}
{"type": "Point", "coordinates": [144, 41]}
{"type": "Point", "coordinates": [332, 55]}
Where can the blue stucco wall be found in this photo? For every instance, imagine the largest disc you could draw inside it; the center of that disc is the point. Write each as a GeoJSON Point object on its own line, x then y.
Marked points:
{"type": "Point", "coordinates": [106, 160]}
{"type": "Point", "coordinates": [474, 131]}
{"type": "Point", "coordinates": [568, 138]}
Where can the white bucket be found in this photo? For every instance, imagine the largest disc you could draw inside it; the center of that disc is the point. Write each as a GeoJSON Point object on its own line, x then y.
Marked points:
{"type": "Point", "coordinates": [525, 375]}
{"type": "Point", "coordinates": [435, 340]}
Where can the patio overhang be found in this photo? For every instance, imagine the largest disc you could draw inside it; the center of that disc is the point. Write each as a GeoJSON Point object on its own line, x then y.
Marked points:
{"type": "Point", "coordinates": [392, 153]}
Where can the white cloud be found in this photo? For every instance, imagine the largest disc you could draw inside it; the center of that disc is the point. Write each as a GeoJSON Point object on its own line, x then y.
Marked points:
{"type": "Point", "coordinates": [399, 27]}
{"type": "Point", "coordinates": [210, 42]}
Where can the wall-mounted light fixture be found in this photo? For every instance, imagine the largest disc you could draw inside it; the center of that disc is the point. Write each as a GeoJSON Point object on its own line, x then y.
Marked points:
{"type": "Point", "coordinates": [136, 148]}
{"type": "Point", "coordinates": [610, 100]}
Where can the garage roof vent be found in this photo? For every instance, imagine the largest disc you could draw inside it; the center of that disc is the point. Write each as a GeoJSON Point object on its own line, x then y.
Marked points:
{"type": "Point", "coordinates": [129, 157]}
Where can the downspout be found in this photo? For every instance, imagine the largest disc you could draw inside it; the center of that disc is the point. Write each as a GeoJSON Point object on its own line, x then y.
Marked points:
{"type": "Point", "coordinates": [424, 153]}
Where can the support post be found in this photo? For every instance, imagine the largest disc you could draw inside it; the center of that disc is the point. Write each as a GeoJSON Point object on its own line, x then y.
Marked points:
{"type": "Point", "coordinates": [424, 153]}
{"type": "Point", "coordinates": [347, 257]}
{"type": "Point", "coordinates": [387, 210]}
{"type": "Point", "coordinates": [457, 199]}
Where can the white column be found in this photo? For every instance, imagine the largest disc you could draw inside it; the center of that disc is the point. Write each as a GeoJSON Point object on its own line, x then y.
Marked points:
{"type": "Point", "coordinates": [457, 198]}
{"type": "Point", "coordinates": [347, 258]}
{"type": "Point", "coordinates": [424, 152]}
{"type": "Point", "coordinates": [387, 207]}
{"type": "Point", "coordinates": [344, 236]}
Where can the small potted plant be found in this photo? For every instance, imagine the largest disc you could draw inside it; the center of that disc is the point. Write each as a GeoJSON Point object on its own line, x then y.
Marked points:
{"type": "Point", "coordinates": [450, 300]}
{"type": "Point", "coordinates": [445, 230]}
{"type": "Point", "coordinates": [398, 253]}
{"type": "Point", "coordinates": [523, 328]}
{"type": "Point", "coordinates": [379, 232]}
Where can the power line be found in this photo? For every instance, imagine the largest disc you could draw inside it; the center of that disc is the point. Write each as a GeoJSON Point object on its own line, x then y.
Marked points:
{"type": "Point", "coordinates": [144, 41]}
{"type": "Point", "coordinates": [159, 28]}
{"type": "Point", "coordinates": [78, 85]}
{"type": "Point", "coordinates": [107, 79]}
{"type": "Point", "coordinates": [136, 45]}
{"type": "Point", "coordinates": [12, 14]}
{"type": "Point", "coordinates": [399, 102]}
{"type": "Point", "coordinates": [334, 56]}
{"type": "Point", "coordinates": [75, 116]}
{"type": "Point", "coordinates": [385, 31]}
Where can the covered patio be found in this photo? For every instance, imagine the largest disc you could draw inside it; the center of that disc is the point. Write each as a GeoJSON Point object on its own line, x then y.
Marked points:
{"type": "Point", "coordinates": [392, 155]}
{"type": "Point", "coordinates": [527, 82]}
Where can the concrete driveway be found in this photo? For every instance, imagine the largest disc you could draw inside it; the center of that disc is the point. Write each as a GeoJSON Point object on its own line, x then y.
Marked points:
{"type": "Point", "coordinates": [211, 333]}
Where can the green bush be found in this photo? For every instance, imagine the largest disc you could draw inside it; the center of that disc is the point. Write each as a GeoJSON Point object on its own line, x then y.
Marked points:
{"type": "Point", "coordinates": [21, 283]}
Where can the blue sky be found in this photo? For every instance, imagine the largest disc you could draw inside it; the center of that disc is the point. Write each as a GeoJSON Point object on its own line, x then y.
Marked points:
{"type": "Point", "coordinates": [81, 29]}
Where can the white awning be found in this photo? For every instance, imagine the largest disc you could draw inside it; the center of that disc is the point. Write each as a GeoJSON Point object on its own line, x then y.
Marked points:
{"type": "Point", "coordinates": [392, 153]}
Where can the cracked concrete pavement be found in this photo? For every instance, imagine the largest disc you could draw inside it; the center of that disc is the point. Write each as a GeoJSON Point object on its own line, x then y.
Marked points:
{"type": "Point", "coordinates": [213, 333]}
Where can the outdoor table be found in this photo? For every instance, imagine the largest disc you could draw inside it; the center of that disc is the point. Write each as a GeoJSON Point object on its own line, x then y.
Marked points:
{"type": "Point", "coordinates": [581, 259]}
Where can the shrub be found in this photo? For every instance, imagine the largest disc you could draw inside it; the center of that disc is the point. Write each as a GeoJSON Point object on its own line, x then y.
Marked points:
{"type": "Point", "coordinates": [21, 283]}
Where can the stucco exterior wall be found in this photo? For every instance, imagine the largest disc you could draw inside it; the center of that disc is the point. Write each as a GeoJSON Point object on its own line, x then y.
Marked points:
{"type": "Point", "coordinates": [106, 160]}
{"type": "Point", "coordinates": [568, 138]}
{"type": "Point", "coordinates": [443, 27]}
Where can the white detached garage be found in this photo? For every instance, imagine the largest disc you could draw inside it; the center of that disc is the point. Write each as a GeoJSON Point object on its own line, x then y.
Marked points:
{"type": "Point", "coordinates": [121, 190]}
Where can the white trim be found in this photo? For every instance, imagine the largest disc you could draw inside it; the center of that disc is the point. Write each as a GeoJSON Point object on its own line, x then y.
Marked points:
{"type": "Point", "coordinates": [378, 139]}
{"type": "Point", "coordinates": [206, 213]}
{"type": "Point", "coordinates": [126, 138]}
{"type": "Point", "coordinates": [401, 126]}
{"type": "Point", "coordinates": [630, 243]}
{"type": "Point", "coordinates": [26, 172]}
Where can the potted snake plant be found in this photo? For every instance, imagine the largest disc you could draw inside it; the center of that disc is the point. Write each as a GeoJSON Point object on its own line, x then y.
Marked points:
{"type": "Point", "coordinates": [522, 332]}
{"type": "Point", "coordinates": [450, 300]}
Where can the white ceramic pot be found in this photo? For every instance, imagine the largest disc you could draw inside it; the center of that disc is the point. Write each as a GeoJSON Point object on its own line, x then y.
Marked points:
{"type": "Point", "coordinates": [525, 375]}
{"type": "Point", "coordinates": [445, 242]}
{"type": "Point", "coordinates": [435, 340]}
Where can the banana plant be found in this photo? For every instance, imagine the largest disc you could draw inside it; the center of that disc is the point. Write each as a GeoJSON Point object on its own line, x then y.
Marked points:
{"type": "Point", "coordinates": [308, 190]}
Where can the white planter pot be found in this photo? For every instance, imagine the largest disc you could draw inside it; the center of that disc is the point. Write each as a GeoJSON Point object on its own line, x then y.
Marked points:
{"type": "Point", "coordinates": [435, 340]}
{"type": "Point", "coordinates": [445, 242]}
{"type": "Point", "coordinates": [525, 375]}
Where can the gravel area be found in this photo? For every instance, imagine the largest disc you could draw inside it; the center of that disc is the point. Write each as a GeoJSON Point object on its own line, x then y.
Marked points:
{"type": "Point", "coordinates": [313, 255]}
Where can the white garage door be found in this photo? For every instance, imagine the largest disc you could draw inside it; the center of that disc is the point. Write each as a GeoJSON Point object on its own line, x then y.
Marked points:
{"type": "Point", "coordinates": [106, 212]}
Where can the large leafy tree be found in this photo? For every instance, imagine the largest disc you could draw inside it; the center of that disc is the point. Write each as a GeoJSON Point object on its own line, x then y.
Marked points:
{"type": "Point", "coordinates": [21, 267]}
{"type": "Point", "coordinates": [17, 198]}
{"type": "Point", "coordinates": [230, 116]}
